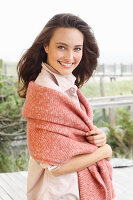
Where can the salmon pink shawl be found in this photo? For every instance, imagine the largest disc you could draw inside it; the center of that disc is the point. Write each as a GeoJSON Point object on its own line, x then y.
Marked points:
{"type": "Point", "coordinates": [56, 129]}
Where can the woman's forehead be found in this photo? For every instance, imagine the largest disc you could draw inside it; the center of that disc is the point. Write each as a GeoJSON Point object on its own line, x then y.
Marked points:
{"type": "Point", "coordinates": [68, 35]}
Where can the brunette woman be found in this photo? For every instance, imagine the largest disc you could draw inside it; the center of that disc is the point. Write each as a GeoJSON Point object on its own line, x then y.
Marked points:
{"type": "Point", "coordinates": [69, 157]}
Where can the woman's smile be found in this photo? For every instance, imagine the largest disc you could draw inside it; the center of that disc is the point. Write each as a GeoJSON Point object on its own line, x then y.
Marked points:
{"type": "Point", "coordinates": [65, 65]}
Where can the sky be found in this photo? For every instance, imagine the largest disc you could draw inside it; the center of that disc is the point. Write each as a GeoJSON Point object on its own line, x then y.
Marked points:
{"type": "Point", "coordinates": [111, 21]}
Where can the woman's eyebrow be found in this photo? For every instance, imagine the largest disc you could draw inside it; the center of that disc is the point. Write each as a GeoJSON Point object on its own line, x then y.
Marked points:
{"type": "Point", "coordinates": [62, 43]}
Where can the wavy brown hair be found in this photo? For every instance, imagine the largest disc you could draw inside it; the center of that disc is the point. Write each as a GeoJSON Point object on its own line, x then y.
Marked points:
{"type": "Point", "coordinates": [29, 65]}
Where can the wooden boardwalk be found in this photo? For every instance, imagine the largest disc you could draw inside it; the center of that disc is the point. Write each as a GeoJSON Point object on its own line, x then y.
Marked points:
{"type": "Point", "coordinates": [13, 185]}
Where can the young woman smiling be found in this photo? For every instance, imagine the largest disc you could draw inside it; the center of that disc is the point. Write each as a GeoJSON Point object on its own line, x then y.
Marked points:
{"type": "Point", "coordinates": [69, 157]}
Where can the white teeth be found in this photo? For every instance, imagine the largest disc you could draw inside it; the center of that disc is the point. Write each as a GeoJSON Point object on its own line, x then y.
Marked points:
{"type": "Point", "coordinates": [65, 64]}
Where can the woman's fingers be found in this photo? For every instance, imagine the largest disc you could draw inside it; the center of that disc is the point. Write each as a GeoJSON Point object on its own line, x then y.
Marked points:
{"type": "Point", "coordinates": [93, 132]}
{"type": "Point", "coordinates": [98, 143]}
{"type": "Point", "coordinates": [96, 140]}
{"type": "Point", "coordinates": [96, 137]}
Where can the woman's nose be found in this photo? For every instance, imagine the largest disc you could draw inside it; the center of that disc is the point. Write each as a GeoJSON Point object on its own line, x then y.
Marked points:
{"type": "Point", "coordinates": [69, 55]}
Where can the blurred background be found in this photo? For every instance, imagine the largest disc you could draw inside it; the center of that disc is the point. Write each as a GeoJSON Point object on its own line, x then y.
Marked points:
{"type": "Point", "coordinates": [110, 90]}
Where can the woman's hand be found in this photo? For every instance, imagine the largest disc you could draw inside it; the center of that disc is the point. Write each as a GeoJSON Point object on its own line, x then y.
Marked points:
{"type": "Point", "coordinates": [96, 137]}
{"type": "Point", "coordinates": [107, 150]}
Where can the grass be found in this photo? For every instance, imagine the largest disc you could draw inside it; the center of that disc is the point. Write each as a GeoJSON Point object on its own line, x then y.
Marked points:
{"type": "Point", "coordinates": [121, 86]}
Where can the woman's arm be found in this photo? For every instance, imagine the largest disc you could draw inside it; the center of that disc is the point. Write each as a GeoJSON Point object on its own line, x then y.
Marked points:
{"type": "Point", "coordinates": [80, 162]}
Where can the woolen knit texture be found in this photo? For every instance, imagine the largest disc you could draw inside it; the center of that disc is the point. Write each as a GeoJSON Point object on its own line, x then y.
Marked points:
{"type": "Point", "coordinates": [56, 131]}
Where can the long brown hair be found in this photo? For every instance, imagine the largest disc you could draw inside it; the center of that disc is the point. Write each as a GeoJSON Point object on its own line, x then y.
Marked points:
{"type": "Point", "coordinates": [29, 65]}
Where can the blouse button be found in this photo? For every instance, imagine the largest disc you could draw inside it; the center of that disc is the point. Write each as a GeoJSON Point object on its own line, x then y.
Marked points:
{"type": "Point", "coordinates": [72, 91]}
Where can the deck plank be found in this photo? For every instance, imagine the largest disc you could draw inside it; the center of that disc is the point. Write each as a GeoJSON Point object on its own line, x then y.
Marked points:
{"type": "Point", "coordinates": [4, 195]}
{"type": "Point", "coordinates": [13, 185]}
{"type": "Point", "coordinates": [12, 188]}
{"type": "Point", "coordinates": [17, 178]}
{"type": "Point", "coordinates": [123, 183]}
{"type": "Point", "coordinates": [7, 190]}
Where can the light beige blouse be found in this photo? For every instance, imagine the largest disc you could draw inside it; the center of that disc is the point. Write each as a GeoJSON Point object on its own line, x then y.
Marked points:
{"type": "Point", "coordinates": [41, 184]}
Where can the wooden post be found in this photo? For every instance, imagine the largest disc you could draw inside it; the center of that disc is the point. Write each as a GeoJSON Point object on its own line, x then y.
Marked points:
{"type": "Point", "coordinates": [131, 111]}
{"type": "Point", "coordinates": [102, 94]}
{"type": "Point", "coordinates": [1, 66]}
{"type": "Point", "coordinates": [112, 110]}
{"type": "Point", "coordinates": [4, 70]}
{"type": "Point", "coordinates": [101, 87]}
{"type": "Point", "coordinates": [112, 116]}
{"type": "Point", "coordinates": [121, 69]}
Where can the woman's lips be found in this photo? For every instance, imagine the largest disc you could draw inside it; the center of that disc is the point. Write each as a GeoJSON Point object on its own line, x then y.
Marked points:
{"type": "Point", "coordinates": [66, 65]}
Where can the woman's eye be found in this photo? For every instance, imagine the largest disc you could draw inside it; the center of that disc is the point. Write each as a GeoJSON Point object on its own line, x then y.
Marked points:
{"type": "Point", "coordinates": [61, 47]}
{"type": "Point", "coordinates": [78, 49]}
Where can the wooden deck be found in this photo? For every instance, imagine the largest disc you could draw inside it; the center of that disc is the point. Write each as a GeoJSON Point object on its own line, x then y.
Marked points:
{"type": "Point", "coordinates": [13, 185]}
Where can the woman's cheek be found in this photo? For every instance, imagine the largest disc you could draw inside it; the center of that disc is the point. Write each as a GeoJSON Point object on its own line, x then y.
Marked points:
{"type": "Point", "coordinates": [59, 55]}
{"type": "Point", "coordinates": [79, 57]}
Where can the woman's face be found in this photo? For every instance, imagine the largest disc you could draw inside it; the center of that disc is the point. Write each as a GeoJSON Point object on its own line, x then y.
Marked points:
{"type": "Point", "coordinates": [65, 49]}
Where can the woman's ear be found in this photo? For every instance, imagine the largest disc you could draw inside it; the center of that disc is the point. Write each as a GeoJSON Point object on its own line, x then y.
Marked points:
{"type": "Point", "coordinates": [46, 48]}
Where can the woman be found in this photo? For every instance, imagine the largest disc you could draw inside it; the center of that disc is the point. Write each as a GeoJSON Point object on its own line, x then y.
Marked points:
{"type": "Point", "coordinates": [68, 155]}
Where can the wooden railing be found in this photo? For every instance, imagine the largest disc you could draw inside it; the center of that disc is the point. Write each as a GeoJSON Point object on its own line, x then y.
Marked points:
{"type": "Point", "coordinates": [106, 70]}
{"type": "Point", "coordinates": [111, 101]}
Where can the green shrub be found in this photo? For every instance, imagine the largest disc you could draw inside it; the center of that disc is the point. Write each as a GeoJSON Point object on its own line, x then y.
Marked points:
{"type": "Point", "coordinates": [10, 102]}
{"type": "Point", "coordinates": [10, 161]}
{"type": "Point", "coordinates": [120, 137]}
{"type": "Point", "coordinates": [11, 122]}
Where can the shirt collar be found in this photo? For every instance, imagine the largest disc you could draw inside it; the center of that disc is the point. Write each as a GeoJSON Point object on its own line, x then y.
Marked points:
{"type": "Point", "coordinates": [65, 82]}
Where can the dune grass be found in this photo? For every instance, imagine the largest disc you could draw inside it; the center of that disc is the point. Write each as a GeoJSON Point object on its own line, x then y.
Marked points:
{"type": "Point", "coordinates": [121, 86]}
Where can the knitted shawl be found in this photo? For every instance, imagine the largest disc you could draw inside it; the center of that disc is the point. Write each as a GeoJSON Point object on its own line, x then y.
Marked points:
{"type": "Point", "coordinates": [56, 130]}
